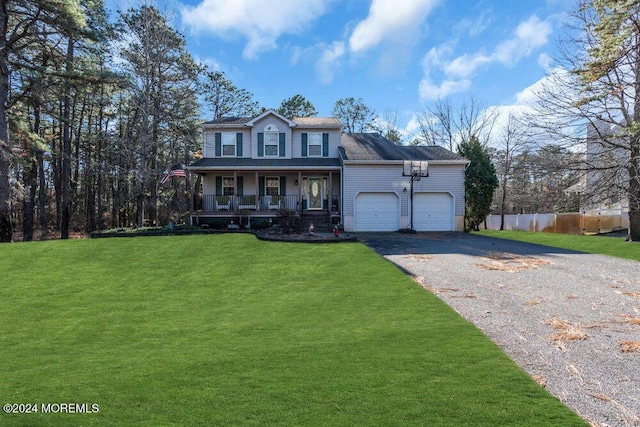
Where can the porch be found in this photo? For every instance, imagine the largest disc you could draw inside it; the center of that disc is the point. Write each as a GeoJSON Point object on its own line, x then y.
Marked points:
{"type": "Point", "coordinates": [252, 197]}
{"type": "Point", "coordinates": [225, 205]}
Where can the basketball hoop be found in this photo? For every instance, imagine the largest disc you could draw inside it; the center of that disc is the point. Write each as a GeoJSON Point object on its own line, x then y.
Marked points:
{"type": "Point", "coordinates": [416, 169]}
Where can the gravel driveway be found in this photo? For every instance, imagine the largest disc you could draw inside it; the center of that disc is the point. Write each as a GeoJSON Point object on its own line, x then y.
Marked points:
{"type": "Point", "coordinates": [572, 320]}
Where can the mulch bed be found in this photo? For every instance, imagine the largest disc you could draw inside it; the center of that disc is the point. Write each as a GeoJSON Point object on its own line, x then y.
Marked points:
{"type": "Point", "coordinates": [305, 237]}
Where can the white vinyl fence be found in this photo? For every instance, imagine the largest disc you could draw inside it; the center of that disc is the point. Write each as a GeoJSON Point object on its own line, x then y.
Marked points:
{"type": "Point", "coordinates": [589, 222]}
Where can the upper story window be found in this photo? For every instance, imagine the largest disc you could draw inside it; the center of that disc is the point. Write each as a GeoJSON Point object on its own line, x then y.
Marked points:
{"type": "Point", "coordinates": [228, 144]}
{"type": "Point", "coordinates": [271, 144]}
{"type": "Point", "coordinates": [271, 140]}
{"type": "Point", "coordinates": [315, 144]}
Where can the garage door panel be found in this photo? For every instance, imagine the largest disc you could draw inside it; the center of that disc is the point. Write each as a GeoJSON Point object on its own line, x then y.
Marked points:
{"type": "Point", "coordinates": [377, 212]}
{"type": "Point", "coordinates": [433, 212]}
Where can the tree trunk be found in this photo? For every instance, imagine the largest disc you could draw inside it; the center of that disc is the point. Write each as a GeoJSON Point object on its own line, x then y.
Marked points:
{"type": "Point", "coordinates": [634, 189]}
{"type": "Point", "coordinates": [42, 196]}
{"type": "Point", "coordinates": [31, 185]}
{"type": "Point", "coordinates": [42, 189]}
{"type": "Point", "coordinates": [503, 201]}
{"type": "Point", "coordinates": [66, 148]}
{"type": "Point", "coordinates": [6, 228]}
{"type": "Point", "coordinates": [634, 156]}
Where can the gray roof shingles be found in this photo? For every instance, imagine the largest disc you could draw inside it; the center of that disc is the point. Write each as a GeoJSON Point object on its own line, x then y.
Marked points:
{"type": "Point", "coordinates": [313, 122]}
{"type": "Point", "coordinates": [373, 146]}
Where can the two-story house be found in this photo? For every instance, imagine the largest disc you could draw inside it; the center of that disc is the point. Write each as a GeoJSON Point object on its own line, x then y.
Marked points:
{"type": "Point", "coordinates": [261, 165]}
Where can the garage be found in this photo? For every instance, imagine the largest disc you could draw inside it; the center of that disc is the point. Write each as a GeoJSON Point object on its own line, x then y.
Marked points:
{"type": "Point", "coordinates": [433, 212]}
{"type": "Point", "coordinates": [377, 212]}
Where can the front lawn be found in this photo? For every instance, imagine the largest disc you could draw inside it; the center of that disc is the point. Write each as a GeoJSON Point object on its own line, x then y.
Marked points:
{"type": "Point", "coordinates": [229, 330]}
{"type": "Point", "coordinates": [614, 246]}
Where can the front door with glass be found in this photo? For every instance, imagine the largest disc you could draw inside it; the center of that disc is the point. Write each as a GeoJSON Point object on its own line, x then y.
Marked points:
{"type": "Point", "coordinates": [316, 193]}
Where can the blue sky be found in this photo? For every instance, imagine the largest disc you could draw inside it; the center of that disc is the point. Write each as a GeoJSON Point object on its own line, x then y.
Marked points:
{"type": "Point", "coordinates": [397, 55]}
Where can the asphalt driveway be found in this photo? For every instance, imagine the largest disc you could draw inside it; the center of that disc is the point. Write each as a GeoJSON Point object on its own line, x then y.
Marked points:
{"type": "Point", "coordinates": [570, 319]}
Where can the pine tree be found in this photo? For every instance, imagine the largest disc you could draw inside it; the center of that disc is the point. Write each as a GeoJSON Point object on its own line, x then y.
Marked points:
{"type": "Point", "coordinates": [480, 181]}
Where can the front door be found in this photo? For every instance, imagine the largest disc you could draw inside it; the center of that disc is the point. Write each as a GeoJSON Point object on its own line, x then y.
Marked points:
{"type": "Point", "coordinates": [316, 193]}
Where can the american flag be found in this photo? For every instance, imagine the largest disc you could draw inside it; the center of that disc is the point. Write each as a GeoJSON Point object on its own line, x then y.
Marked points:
{"type": "Point", "coordinates": [176, 170]}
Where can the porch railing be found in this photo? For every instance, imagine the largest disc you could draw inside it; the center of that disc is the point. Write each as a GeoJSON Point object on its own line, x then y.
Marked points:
{"type": "Point", "coordinates": [212, 203]}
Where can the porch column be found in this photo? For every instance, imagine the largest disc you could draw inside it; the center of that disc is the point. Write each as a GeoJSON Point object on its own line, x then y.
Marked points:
{"type": "Point", "coordinates": [330, 195]}
{"type": "Point", "coordinates": [300, 190]}
{"type": "Point", "coordinates": [235, 191]}
{"type": "Point", "coordinates": [257, 191]}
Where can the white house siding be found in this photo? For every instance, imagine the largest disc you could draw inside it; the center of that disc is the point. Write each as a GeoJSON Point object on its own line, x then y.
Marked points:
{"type": "Point", "coordinates": [209, 141]}
{"type": "Point", "coordinates": [249, 182]}
{"type": "Point", "coordinates": [388, 178]}
{"type": "Point", "coordinates": [282, 127]}
{"type": "Point", "coordinates": [335, 139]}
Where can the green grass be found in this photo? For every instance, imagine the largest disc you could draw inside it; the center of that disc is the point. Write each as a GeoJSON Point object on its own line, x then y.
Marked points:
{"type": "Point", "coordinates": [229, 330]}
{"type": "Point", "coordinates": [613, 246]}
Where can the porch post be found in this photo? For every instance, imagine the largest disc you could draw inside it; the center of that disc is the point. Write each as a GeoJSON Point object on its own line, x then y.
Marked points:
{"type": "Point", "coordinates": [257, 191]}
{"type": "Point", "coordinates": [235, 190]}
{"type": "Point", "coordinates": [300, 190]}
{"type": "Point", "coordinates": [330, 195]}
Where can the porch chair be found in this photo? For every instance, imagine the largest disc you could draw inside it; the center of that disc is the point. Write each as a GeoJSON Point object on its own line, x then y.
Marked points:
{"type": "Point", "coordinates": [246, 202]}
{"type": "Point", "coordinates": [275, 202]}
{"type": "Point", "coordinates": [223, 203]}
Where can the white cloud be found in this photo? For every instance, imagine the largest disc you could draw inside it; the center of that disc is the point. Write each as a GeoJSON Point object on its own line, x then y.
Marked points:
{"type": "Point", "coordinates": [327, 64]}
{"type": "Point", "coordinates": [260, 22]}
{"type": "Point", "coordinates": [529, 35]}
{"type": "Point", "coordinates": [430, 91]}
{"type": "Point", "coordinates": [466, 64]}
{"type": "Point", "coordinates": [387, 20]}
{"type": "Point", "coordinates": [545, 61]}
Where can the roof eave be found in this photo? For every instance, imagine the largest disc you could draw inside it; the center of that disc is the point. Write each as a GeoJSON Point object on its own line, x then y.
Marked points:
{"type": "Point", "coordinates": [202, 169]}
{"type": "Point", "coordinates": [400, 162]}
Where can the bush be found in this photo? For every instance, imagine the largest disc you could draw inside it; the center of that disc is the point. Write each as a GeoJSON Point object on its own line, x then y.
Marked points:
{"type": "Point", "coordinates": [289, 222]}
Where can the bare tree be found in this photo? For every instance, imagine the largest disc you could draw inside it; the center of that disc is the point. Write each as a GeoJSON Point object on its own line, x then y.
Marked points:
{"type": "Point", "coordinates": [223, 98]}
{"type": "Point", "coordinates": [387, 126]}
{"type": "Point", "coordinates": [596, 86]}
{"type": "Point", "coordinates": [449, 126]}
{"type": "Point", "coordinates": [512, 140]}
{"type": "Point", "coordinates": [354, 114]}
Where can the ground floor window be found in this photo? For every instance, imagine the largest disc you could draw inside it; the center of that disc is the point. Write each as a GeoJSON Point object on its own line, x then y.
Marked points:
{"type": "Point", "coordinates": [272, 186]}
{"type": "Point", "coordinates": [227, 186]}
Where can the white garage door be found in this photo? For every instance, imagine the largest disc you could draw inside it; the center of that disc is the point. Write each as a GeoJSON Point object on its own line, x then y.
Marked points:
{"type": "Point", "coordinates": [377, 212]}
{"type": "Point", "coordinates": [432, 212]}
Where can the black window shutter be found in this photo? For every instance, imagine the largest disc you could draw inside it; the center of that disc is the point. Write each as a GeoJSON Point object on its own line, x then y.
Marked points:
{"type": "Point", "coordinates": [218, 144]}
{"type": "Point", "coordinates": [218, 186]}
{"type": "Point", "coordinates": [261, 185]}
{"type": "Point", "coordinates": [282, 145]}
{"type": "Point", "coordinates": [283, 185]}
{"type": "Point", "coordinates": [325, 145]}
{"type": "Point", "coordinates": [240, 186]}
{"type": "Point", "coordinates": [239, 144]}
{"type": "Point", "coordinates": [305, 145]}
{"type": "Point", "coordinates": [260, 144]}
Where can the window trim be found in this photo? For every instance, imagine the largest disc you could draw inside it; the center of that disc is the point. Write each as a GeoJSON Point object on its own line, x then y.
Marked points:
{"type": "Point", "coordinates": [266, 186]}
{"type": "Point", "coordinates": [225, 138]}
{"type": "Point", "coordinates": [310, 137]}
{"type": "Point", "coordinates": [232, 186]}
{"type": "Point", "coordinates": [276, 136]}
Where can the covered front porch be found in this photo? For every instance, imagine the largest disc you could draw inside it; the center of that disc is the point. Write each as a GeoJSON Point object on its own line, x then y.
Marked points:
{"type": "Point", "coordinates": [267, 194]}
